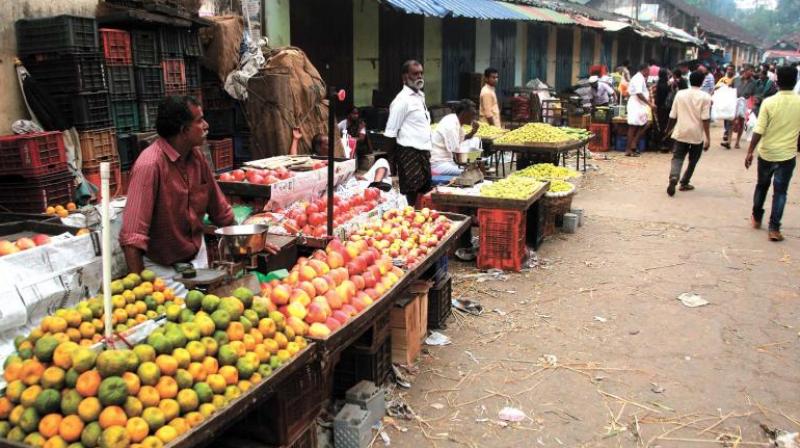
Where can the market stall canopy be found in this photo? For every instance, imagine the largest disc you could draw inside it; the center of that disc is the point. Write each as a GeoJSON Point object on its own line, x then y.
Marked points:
{"type": "Point", "coordinates": [614, 26]}
{"type": "Point", "coordinates": [541, 14]}
{"type": "Point", "coordinates": [472, 9]}
{"type": "Point", "coordinates": [587, 22]}
{"type": "Point", "coordinates": [677, 34]}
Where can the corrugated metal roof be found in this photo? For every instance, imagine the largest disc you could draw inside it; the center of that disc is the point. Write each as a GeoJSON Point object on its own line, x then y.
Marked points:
{"type": "Point", "coordinates": [423, 7]}
{"type": "Point", "coordinates": [480, 9]}
{"type": "Point", "coordinates": [541, 14]}
{"type": "Point", "coordinates": [677, 34]}
{"type": "Point", "coordinates": [613, 25]}
{"type": "Point", "coordinates": [587, 22]}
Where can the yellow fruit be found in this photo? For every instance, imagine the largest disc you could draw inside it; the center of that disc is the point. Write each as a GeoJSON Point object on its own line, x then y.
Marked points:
{"type": "Point", "coordinates": [115, 437]}
{"type": "Point", "coordinates": [89, 409]}
{"type": "Point", "coordinates": [137, 429]}
{"type": "Point", "coordinates": [170, 407]}
{"type": "Point", "coordinates": [167, 434]}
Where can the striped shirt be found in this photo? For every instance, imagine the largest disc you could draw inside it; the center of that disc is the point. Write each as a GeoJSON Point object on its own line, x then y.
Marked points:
{"type": "Point", "coordinates": [167, 199]}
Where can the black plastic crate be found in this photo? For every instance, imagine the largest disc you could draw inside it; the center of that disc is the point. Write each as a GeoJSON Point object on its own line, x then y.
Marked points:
{"type": "Point", "coordinates": [240, 120]}
{"type": "Point", "coordinates": [440, 306]}
{"type": "Point", "coordinates": [375, 335]}
{"type": "Point", "coordinates": [191, 43]}
{"type": "Point", "coordinates": [149, 82]}
{"type": "Point", "coordinates": [85, 111]}
{"type": "Point", "coordinates": [193, 79]}
{"type": "Point", "coordinates": [35, 194]}
{"type": "Point", "coordinates": [220, 122]}
{"type": "Point", "coordinates": [68, 72]}
{"type": "Point", "coordinates": [126, 147]}
{"type": "Point", "coordinates": [356, 365]}
{"type": "Point", "coordinates": [170, 41]}
{"type": "Point", "coordinates": [121, 82]}
{"type": "Point", "coordinates": [148, 112]}
{"type": "Point", "coordinates": [126, 116]}
{"type": "Point", "coordinates": [144, 44]}
{"type": "Point", "coordinates": [56, 34]}
{"type": "Point", "coordinates": [438, 270]}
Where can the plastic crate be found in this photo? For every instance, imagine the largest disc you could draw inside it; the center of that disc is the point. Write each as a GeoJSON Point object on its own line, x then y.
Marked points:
{"type": "Point", "coordinates": [240, 120]}
{"type": "Point", "coordinates": [170, 41]}
{"type": "Point", "coordinates": [621, 143]}
{"type": "Point", "coordinates": [148, 113]}
{"type": "Point", "coordinates": [121, 82]}
{"type": "Point", "coordinates": [357, 365]}
{"type": "Point", "coordinates": [174, 72]}
{"type": "Point", "coordinates": [60, 73]}
{"type": "Point", "coordinates": [197, 94]}
{"type": "Point", "coordinates": [126, 116]}
{"type": "Point", "coordinates": [284, 417]}
{"type": "Point", "coordinates": [215, 98]}
{"type": "Point", "coordinates": [241, 150]}
{"type": "Point", "coordinates": [601, 141]}
{"type": "Point", "coordinates": [35, 194]}
{"type": "Point", "coordinates": [502, 239]}
{"type": "Point", "coordinates": [220, 122]}
{"type": "Point", "coordinates": [56, 34]}
{"type": "Point", "coordinates": [191, 43]}
{"type": "Point", "coordinates": [85, 110]}
{"type": "Point", "coordinates": [145, 47]}
{"type": "Point", "coordinates": [116, 46]}
{"type": "Point", "coordinates": [98, 145]}
{"type": "Point", "coordinates": [440, 307]}
{"type": "Point", "coordinates": [32, 154]}
{"type": "Point", "coordinates": [438, 271]}
{"type": "Point", "coordinates": [193, 80]}
{"type": "Point", "coordinates": [221, 154]}
{"type": "Point", "coordinates": [126, 151]}
{"type": "Point", "coordinates": [375, 335]}
{"type": "Point", "coordinates": [602, 116]}
{"type": "Point", "coordinates": [92, 175]}
{"type": "Point", "coordinates": [149, 82]}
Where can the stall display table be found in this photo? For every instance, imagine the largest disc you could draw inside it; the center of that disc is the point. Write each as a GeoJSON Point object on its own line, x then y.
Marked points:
{"type": "Point", "coordinates": [558, 151]}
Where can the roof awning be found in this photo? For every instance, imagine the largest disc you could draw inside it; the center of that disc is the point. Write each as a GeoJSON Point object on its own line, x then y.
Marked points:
{"type": "Point", "coordinates": [677, 34]}
{"type": "Point", "coordinates": [587, 22]}
{"type": "Point", "coordinates": [650, 34]}
{"type": "Point", "coordinates": [473, 9]}
{"type": "Point", "coordinates": [614, 26]}
{"type": "Point", "coordinates": [541, 14]}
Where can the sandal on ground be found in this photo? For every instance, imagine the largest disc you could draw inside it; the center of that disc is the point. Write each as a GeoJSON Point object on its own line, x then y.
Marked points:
{"type": "Point", "coordinates": [686, 187]}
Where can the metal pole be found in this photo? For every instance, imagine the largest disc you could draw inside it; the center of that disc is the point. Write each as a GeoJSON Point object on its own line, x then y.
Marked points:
{"type": "Point", "coordinates": [105, 176]}
{"type": "Point", "coordinates": [331, 100]}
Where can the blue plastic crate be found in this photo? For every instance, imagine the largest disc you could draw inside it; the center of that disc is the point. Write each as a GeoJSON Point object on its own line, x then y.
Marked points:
{"type": "Point", "coordinates": [621, 143]}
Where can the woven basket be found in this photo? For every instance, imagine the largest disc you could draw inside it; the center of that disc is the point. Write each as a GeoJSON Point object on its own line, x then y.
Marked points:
{"type": "Point", "coordinates": [554, 209]}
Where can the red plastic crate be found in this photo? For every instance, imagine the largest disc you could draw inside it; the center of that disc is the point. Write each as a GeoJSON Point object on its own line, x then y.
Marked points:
{"type": "Point", "coordinates": [502, 239]}
{"type": "Point", "coordinates": [221, 153]}
{"type": "Point", "coordinates": [174, 72]}
{"type": "Point", "coordinates": [35, 194]}
{"type": "Point", "coordinates": [116, 46]}
{"type": "Point", "coordinates": [92, 175]}
{"type": "Point", "coordinates": [35, 154]}
{"type": "Point", "coordinates": [99, 145]}
{"type": "Point", "coordinates": [601, 142]}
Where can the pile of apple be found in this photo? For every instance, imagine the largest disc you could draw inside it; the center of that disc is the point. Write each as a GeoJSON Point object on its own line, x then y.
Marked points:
{"type": "Point", "coordinates": [324, 292]}
{"type": "Point", "coordinates": [311, 218]}
{"type": "Point", "coordinates": [406, 234]}
{"type": "Point", "coordinates": [8, 247]}
{"type": "Point", "coordinates": [256, 176]}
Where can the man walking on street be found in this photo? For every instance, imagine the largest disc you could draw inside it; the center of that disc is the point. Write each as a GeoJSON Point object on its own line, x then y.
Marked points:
{"type": "Point", "coordinates": [409, 124]}
{"type": "Point", "coordinates": [745, 87]}
{"type": "Point", "coordinates": [489, 107]}
{"type": "Point", "coordinates": [776, 138]}
{"type": "Point", "coordinates": [690, 118]}
{"type": "Point", "coordinates": [708, 79]}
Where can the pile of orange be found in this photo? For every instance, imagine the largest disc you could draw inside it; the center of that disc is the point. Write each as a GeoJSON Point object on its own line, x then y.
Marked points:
{"type": "Point", "coordinates": [60, 210]}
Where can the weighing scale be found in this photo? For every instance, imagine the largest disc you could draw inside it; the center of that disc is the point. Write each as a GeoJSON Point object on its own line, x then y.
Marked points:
{"type": "Point", "coordinates": [472, 172]}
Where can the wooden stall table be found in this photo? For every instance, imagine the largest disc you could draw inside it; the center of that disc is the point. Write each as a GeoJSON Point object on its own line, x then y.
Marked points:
{"type": "Point", "coordinates": [531, 207]}
{"type": "Point", "coordinates": [558, 151]}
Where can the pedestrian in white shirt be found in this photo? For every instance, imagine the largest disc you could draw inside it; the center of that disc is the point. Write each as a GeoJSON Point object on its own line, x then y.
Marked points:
{"type": "Point", "coordinates": [448, 136]}
{"type": "Point", "coordinates": [639, 109]}
{"type": "Point", "coordinates": [410, 125]}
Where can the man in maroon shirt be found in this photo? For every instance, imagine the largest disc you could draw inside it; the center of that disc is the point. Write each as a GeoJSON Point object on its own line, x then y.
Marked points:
{"type": "Point", "coordinates": [171, 188]}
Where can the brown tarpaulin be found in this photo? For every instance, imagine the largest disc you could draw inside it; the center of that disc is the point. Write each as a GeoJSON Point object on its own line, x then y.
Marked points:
{"type": "Point", "coordinates": [222, 41]}
{"type": "Point", "coordinates": [288, 92]}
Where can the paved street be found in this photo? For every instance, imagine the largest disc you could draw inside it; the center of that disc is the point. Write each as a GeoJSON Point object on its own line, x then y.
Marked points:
{"type": "Point", "coordinates": [595, 348]}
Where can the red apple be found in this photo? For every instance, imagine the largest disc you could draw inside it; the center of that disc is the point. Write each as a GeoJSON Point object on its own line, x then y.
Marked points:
{"type": "Point", "coordinates": [332, 324]}
{"type": "Point", "coordinates": [25, 243]}
{"type": "Point", "coordinates": [41, 239]}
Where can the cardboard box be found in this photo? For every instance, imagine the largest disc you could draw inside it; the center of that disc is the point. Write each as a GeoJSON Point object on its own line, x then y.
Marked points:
{"type": "Point", "coordinates": [409, 324]}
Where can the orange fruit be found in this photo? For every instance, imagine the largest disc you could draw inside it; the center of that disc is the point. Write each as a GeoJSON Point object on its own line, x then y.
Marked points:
{"type": "Point", "coordinates": [115, 437]}
{"type": "Point", "coordinates": [62, 356]}
{"type": "Point", "coordinates": [112, 416]}
{"type": "Point", "coordinates": [211, 365]}
{"type": "Point", "coordinates": [255, 378]}
{"type": "Point", "coordinates": [5, 408]}
{"type": "Point", "coordinates": [235, 331]}
{"type": "Point", "coordinates": [154, 417]}
{"type": "Point", "coordinates": [70, 428]}
{"type": "Point", "coordinates": [180, 425]}
{"type": "Point", "coordinates": [12, 371]}
{"type": "Point", "coordinates": [167, 364]}
{"type": "Point", "coordinates": [133, 407]}
{"type": "Point", "coordinates": [167, 387]}
{"type": "Point", "coordinates": [244, 385]}
{"type": "Point", "coordinates": [88, 383]}
{"type": "Point", "coordinates": [238, 347]}
{"type": "Point", "coordinates": [53, 378]}
{"type": "Point", "coordinates": [73, 334]}
{"type": "Point", "coordinates": [48, 425]}
{"type": "Point", "coordinates": [230, 374]}
{"type": "Point", "coordinates": [167, 434]}
{"type": "Point", "coordinates": [149, 373]}
{"type": "Point", "coordinates": [87, 330]}
{"type": "Point", "coordinates": [57, 324]}
{"type": "Point", "coordinates": [71, 206]}
{"type": "Point", "coordinates": [29, 395]}
{"type": "Point", "coordinates": [31, 371]}
{"type": "Point", "coordinates": [89, 409]}
{"type": "Point", "coordinates": [137, 429]}
{"type": "Point", "coordinates": [132, 381]}
{"type": "Point", "coordinates": [197, 371]}
{"type": "Point", "coordinates": [73, 317]}
{"type": "Point", "coordinates": [55, 442]}
{"type": "Point", "coordinates": [50, 210]}
{"type": "Point", "coordinates": [188, 400]}
{"type": "Point", "coordinates": [249, 342]}
{"type": "Point", "coordinates": [194, 418]}
{"type": "Point", "coordinates": [152, 442]}
{"type": "Point", "coordinates": [217, 383]}
{"type": "Point", "coordinates": [170, 407]}
{"type": "Point", "coordinates": [149, 396]}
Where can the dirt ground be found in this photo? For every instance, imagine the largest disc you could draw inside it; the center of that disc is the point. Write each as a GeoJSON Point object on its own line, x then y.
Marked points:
{"type": "Point", "coordinates": [594, 346]}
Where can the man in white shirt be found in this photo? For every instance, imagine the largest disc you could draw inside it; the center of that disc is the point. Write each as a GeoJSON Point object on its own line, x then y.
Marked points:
{"type": "Point", "coordinates": [448, 136]}
{"type": "Point", "coordinates": [602, 93]}
{"type": "Point", "coordinates": [356, 131]}
{"type": "Point", "coordinates": [490, 107]}
{"type": "Point", "coordinates": [690, 118]}
{"type": "Point", "coordinates": [410, 125]}
{"type": "Point", "coordinates": [639, 109]}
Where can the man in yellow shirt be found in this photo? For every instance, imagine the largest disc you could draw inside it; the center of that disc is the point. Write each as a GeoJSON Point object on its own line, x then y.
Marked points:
{"type": "Point", "coordinates": [776, 137]}
{"type": "Point", "coordinates": [489, 107]}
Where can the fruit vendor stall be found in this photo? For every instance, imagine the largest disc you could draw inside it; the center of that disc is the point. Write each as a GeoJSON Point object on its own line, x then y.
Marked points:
{"type": "Point", "coordinates": [545, 140]}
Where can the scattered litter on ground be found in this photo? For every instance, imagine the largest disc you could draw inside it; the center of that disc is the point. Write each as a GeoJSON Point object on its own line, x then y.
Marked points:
{"type": "Point", "coordinates": [437, 339]}
{"type": "Point", "coordinates": [781, 438]}
{"type": "Point", "coordinates": [499, 311]}
{"type": "Point", "coordinates": [550, 360]}
{"type": "Point", "coordinates": [491, 274]}
{"type": "Point", "coordinates": [468, 306]}
{"type": "Point", "coordinates": [437, 406]}
{"type": "Point", "coordinates": [633, 332]}
{"type": "Point", "coordinates": [471, 356]}
{"type": "Point", "coordinates": [600, 319]}
{"type": "Point", "coordinates": [385, 437]}
{"type": "Point", "coordinates": [510, 414]}
{"type": "Point", "coordinates": [398, 408]}
{"type": "Point", "coordinates": [692, 300]}
{"type": "Point", "coordinates": [656, 389]}
{"type": "Point", "coordinates": [400, 377]}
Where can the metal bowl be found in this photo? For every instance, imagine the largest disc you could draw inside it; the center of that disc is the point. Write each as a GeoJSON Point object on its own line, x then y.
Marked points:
{"type": "Point", "coordinates": [244, 239]}
{"type": "Point", "coordinates": [466, 157]}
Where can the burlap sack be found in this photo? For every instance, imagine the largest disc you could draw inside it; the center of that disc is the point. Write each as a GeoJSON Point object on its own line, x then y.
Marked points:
{"type": "Point", "coordinates": [288, 92]}
{"type": "Point", "coordinates": [222, 42]}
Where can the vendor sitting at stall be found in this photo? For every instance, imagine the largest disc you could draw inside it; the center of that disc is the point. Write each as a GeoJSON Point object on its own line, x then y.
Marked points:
{"type": "Point", "coordinates": [447, 138]}
{"type": "Point", "coordinates": [602, 93]}
{"type": "Point", "coordinates": [356, 131]}
{"type": "Point", "coordinates": [171, 189]}
{"type": "Point", "coordinates": [377, 176]}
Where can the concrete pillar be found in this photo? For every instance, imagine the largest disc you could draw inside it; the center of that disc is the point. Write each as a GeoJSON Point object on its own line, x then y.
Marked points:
{"type": "Point", "coordinates": [432, 49]}
{"type": "Point", "coordinates": [277, 19]}
{"type": "Point", "coordinates": [552, 36]}
{"type": "Point", "coordinates": [522, 54]}
{"type": "Point", "coordinates": [576, 54]}
{"type": "Point", "coordinates": [483, 45]}
{"type": "Point", "coordinates": [365, 51]}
